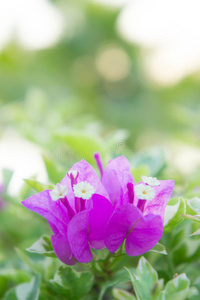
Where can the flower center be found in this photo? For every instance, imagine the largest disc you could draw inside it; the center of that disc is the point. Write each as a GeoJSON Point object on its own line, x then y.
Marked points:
{"type": "Point", "coordinates": [144, 192]}
{"type": "Point", "coordinates": [83, 190]}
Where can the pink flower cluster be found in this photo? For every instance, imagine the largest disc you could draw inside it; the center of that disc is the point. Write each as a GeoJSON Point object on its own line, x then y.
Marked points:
{"type": "Point", "coordinates": [85, 212]}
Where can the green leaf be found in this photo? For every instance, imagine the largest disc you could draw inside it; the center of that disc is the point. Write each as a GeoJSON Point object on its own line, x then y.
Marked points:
{"type": "Point", "coordinates": [71, 284]}
{"type": "Point", "coordinates": [25, 291]}
{"type": "Point", "coordinates": [173, 213]}
{"type": "Point", "coordinates": [145, 281]}
{"type": "Point", "coordinates": [117, 278]}
{"type": "Point", "coordinates": [55, 173]}
{"type": "Point", "coordinates": [38, 186]}
{"type": "Point", "coordinates": [196, 232]}
{"type": "Point", "coordinates": [42, 246]}
{"type": "Point", "coordinates": [140, 171]}
{"type": "Point", "coordinates": [83, 144]}
{"type": "Point", "coordinates": [3, 285]}
{"type": "Point", "coordinates": [159, 248]}
{"type": "Point", "coordinates": [26, 260]}
{"type": "Point", "coordinates": [179, 288]}
{"type": "Point", "coordinates": [191, 217]}
{"type": "Point", "coordinates": [194, 204]}
{"type": "Point", "coordinates": [120, 294]}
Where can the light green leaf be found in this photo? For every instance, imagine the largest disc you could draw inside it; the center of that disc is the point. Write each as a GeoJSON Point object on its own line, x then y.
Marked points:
{"type": "Point", "coordinates": [83, 144]}
{"type": "Point", "coordinates": [42, 246]}
{"type": "Point", "coordinates": [54, 172]}
{"type": "Point", "coordinates": [194, 204]}
{"type": "Point", "coordinates": [179, 288]}
{"type": "Point", "coordinates": [191, 217]}
{"type": "Point", "coordinates": [140, 171]}
{"type": "Point", "coordinates": [196, 232]}
{"type": "Point", "coordinates": [71, 284]}
{"type": "Point", "coordinates": [120, 294]}
{"type": "Point", "coordinates": [159, 248]}
{"type": "Point", "coordinates": [145, 281]}
{"type": "Point", "coordinates": [173, 213]}
{"type": "Point", "coordinates": [38, 186]}
{"type": "Point", "coordinates": [25, 291]}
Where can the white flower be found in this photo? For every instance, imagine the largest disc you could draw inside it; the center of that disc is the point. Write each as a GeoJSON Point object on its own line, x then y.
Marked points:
{"type": "Point", "coordinates": [144, 192]}
{"type": "Point", "coordinates": [83, 190]}
{"type": "Point", "coordinates": [59, 192]}
{"type": "Point", "coordinates": [152, 181]}
{"type": "Point", "coordinates": [74, 174]}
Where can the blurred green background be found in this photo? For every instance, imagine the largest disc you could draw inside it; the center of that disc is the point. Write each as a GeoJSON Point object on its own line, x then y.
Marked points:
{"type": "Point", "coordinates": [87, 76]}
{"type": "Point", "coordinates": [71, 83]}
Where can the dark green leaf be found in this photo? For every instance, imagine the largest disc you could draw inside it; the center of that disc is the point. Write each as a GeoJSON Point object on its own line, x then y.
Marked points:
{"type": "Point", "coordinates": [71, 284]}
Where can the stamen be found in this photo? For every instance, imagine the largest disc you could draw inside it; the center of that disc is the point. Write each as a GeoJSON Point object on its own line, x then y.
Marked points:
{"type": "Point", "coordinates": [130, 192]}
{"type": "Point", "coordinates": [59, 192]}
{"type": "Point", "coordinates": [144, 193]}
{"type": "Point", "coordinates": [71, 212]}
{"type": "Point", "coordinates": [141, 204]}
{"type": "Point", "coordinates": [99, 163]}
{"type": "Point", "coordinates": [73, 175]}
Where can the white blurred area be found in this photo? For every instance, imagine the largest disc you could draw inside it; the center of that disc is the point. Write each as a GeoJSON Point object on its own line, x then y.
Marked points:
{"type": "Point", "coordinates": [23, 158]}
{"type": "Point", "coordinates": [36, 24]}
{"type": "Point", "coordinates": [168, 32]}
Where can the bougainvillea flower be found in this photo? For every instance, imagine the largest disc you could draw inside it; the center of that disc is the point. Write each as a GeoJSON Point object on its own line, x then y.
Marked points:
{"type": "Point", "coordinates": [77, 211]}
{"type": "Point", "coordinates": [138, 209]}
{"type": "Point", "coordinates": [115, 178]}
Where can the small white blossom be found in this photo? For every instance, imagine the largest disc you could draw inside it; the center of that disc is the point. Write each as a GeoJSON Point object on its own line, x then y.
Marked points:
{"type": "Point", "coordinates": [152, 181]}
{"type": "Point", "coordinates": [144, 192]}
{"type": "Point", "coordinates": [83, 190]}
{"type": "Point", "coordinates": [59, 192]}
{"type": "Point", "coordinates": [74, 173]}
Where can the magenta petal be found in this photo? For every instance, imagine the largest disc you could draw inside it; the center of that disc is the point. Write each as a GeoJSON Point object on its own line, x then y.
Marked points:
{"type": "Point", "coordinates": [78, 237]}
{"type": "Point", "coordinates": [113, 187]}
{"type": "Point", "coordinates": [119, 163]}
{"type": "Point", "coordinates": [115, 178]}
{"type": "Point", "coordinates": [86, 173]}
{"type": "Point", "coordinates": [98, 218]}
{"type": "Point", "coordinates": [54, 211]}
{"type": "Point", "coordinates": [53, 228]}
{"type": "Point", "coordinates": [62, 249]}
{"type": "Point", "coordinates": [120, 223]}
{"type": "Point", "coordinates": [144, 235]}
{"type": "Point", "coordinates": [158, 204]}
